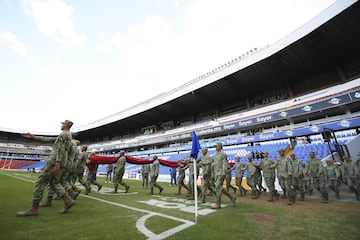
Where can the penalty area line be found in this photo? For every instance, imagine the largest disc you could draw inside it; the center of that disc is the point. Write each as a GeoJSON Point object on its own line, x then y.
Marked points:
{"type": "Point", "coordinates": [140, 224]}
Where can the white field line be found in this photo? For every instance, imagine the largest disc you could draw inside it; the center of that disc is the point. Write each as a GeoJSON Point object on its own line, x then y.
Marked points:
{"type": "Point", "coordinates": [140, 224]}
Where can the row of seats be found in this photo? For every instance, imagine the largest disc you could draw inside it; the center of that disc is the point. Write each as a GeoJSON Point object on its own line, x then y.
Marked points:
{"type": "Point", "coordinates": [15, 164]}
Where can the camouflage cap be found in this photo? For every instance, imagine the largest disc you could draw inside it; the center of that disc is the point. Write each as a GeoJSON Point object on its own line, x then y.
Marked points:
{"type": "Point", "coordinates": [281, 150]}
{"type": "Point", "coordinates": [67, 122]}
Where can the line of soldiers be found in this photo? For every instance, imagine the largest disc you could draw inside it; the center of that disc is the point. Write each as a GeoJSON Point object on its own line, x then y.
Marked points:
{"type": "Point", "coordinates": [294, 176]}
{"type": "Point", "coordinates": [215, 169]}
{"type": "Point", "coordinates": [56, 174]}
{"type": "Point", "coordinates": [65, 165]}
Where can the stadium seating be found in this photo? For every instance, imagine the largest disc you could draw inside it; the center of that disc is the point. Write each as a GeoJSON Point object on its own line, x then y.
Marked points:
{"type": "Point", "coordinates": [16, 164]}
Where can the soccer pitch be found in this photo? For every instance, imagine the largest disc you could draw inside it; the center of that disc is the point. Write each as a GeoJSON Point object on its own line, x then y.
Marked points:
{"type": "Point", "coordinates": [137, 215]}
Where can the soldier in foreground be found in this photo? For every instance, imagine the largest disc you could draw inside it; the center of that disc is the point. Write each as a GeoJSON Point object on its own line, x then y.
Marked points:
{"type": "Point", "coordinates": [220, 167]}
{"type": "Point", "coordinates": [181, 169]}
{"type": "Point", "coordinates": [119, 173]}
{"type": "Point", "coordinates": [205, 162]}
{"type": "Point", "coordinates": [154, 173]}
{"type": "Point", "coordinates": [145, 170]}
{"type": "Point", "coordinates": [315, 169]}
{"type": "Point", "coordinates": [239, 174]}
{"type": "Point", "coordinates": [52, 172]}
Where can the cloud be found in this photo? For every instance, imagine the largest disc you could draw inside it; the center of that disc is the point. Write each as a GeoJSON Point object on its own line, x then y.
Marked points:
{"type": "Point", "coordinates": [209, 34]}
{"type": "Point", "coordinates": [53, 18]}
{"type": "Point", "coordinates": [17, 46]}
{"type": "Point", "coordinates": [13, 42]}
{"type": "Point", "coordinates": [109, 44]}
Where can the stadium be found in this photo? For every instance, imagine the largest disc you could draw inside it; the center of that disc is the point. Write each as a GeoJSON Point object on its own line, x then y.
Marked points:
{"type": "Point", "coordinates": [300, 94]}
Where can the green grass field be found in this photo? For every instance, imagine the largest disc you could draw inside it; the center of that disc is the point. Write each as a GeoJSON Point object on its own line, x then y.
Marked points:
{"type": "Point", "coordinates": [139, 216]}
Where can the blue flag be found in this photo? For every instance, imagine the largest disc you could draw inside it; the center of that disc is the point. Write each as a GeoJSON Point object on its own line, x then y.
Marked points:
{"type": "Point", "coordinates": [195, 146]}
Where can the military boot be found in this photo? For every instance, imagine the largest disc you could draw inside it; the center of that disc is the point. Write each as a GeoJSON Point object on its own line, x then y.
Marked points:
{"type": "Point", "coordinates": [31, 212]}
{"type": "Point", "coordinates": [179, 191]}
{"type": "Point", "coordinates": [302, 197]}
{"type": "Point", "coordinates": [88, 190]}
{"type": "Point", "coordinates": [233, 200]}
{"type": "Point", "coordinates": [276, 195]}
{"type": "Point", "coordinates": [325, 197]}
{"type": "Point", "coordinates": [357, 194]}
{"type": "Point", "coordinates": [47, 203]}
{"type": "Point", "coordinates": [76, 189]}
{"type": "Point", "coordinates": [160, 190]}
{"type": "Point", "coordinates": [127, 188]}
{"type": "Point", "coordinates": [337, 195]}
{"type": "Point", "coordinates": [151, 191]}
{"type": "Point", "coordinates": [217, 204]}
{"type": "Point", "coordinates": [73, 194]}
{"type": "Point", "coordinates": [190, 194]}
{"type": "Point", "coordinates": [99, 187]}
{"type": "Point", "coordinates": [203, 198]}
{"type": "Point", "coordinates": [256, 194]}
{"type": "Point", "coordinates": [253, 194]}
{"type": "Point", "coordinates": [68, 201]}
{"type": "Point", "coordinates": [115, 189]}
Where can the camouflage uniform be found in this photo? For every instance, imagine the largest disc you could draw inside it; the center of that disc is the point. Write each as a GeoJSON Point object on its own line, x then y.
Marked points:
{"type": "Point", "coordinates": [119, 173]}
{"type": "Point", "coordinates": [315, 169]}
{"type": "Point", "coordinates": [298, 177]}
{"type": "Point", "coordinates": [109, 172]}
{"type": "Point", "coordinates": [192, 180]}
{"type": "Point", "coordinates": [284, 169]}
{"type": "Point", "coordinates": [80, 167]}
{"type": "Point", "coordinates": [145, 170]}
{"type": "Point", "coordinates": [252, 178]}
{"type": "Point", "coordinates": [351, 176]}
{"type": "Point", "coordinates": [269, 177]}
{"type": "Point", "coordinates": [220, 162]}
{"type": "Point", "coordinates": [333, 175]}
{"type": "Point", "coordinates": [58, 157]}
{"type": "Point", "coordinates": [67, 175]}
{"type": "Point", "coordinates": [154, 173]}
{"type": "Point", "coordinates": [205, 161]}
{"type": "Point", "coordinates": [91, 177]}
{"type": "Point", "coordinates": [181, 169]}
{"type": "Point", "coordinates": [239, 174]}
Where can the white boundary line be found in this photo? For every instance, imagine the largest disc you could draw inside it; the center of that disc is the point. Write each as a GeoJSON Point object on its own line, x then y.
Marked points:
{"type": "Point", "coordinates": [140, 223]}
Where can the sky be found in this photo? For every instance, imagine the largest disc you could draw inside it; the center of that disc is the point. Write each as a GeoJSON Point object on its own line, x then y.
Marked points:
{"type": "Point", "coordinates": [85, 60]}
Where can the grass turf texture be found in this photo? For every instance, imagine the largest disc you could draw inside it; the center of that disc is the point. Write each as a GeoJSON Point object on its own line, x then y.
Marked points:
{"type": "Point", "coordinates": [92, 219]}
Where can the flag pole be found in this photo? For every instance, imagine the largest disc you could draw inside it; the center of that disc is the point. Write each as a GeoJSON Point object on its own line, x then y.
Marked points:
{"type": "Point", "coordinates": [195, 192]}
{"type": "Point", "coordinates": [193, 155]}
